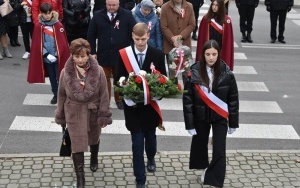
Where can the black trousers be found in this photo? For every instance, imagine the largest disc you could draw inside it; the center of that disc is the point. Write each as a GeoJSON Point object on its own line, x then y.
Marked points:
{"type": "Point", "coordinates": [216, 169]}
{"type": "Point", "coordinates": [274, 16]}
{"type": "Point", "coordinates": [246, 18]}
{"type": "Point", "coordinates": [13, 33]}
{"type": "Point", "coordinates": [27, 31]}
{"type": "Point", "coordinates": [196, 12]}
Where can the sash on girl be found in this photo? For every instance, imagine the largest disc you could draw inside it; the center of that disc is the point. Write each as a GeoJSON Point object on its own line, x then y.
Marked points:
{"type": "Point", "coordinates": [212, 101]}
{"type": "Point", "coordinates": [216, 26]}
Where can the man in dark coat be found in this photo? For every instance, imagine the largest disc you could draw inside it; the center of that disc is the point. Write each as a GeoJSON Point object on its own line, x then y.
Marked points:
{"type": "Point", "coordinates": [126, 4]}
{"type": "Point", "coordinates": [141, 120]}
{"type": "Point", "coordinates": [246, 10]}
{"type": "Point", "coordinates": [278, 10]}
{"type": "Point", "coordinates": [197, 4]}
{"type": "Point", "coordinates": [112, 26]}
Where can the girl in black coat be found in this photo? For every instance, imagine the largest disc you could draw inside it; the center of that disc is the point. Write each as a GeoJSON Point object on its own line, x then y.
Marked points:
{"type": "Point", "coordinates": [210, 76]}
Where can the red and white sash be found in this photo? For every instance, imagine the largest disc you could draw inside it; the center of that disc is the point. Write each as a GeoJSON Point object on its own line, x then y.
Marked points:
{"type": "Point", "coordinates": [29, 3]}
{"type": "Point", "coordinates": [131, 65]}
{"type": "Point", "coordinates": [48, 30]}
{"type": "Point", "coordinates": [216, 26]}
{"type": "Point", "coordinates": [212, 101]}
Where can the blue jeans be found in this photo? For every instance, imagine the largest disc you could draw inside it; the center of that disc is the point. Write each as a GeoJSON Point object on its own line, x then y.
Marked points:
{"type": "Point", "coordinates": [139, 139]}
{"type": "Point", "coordinates": [52, 71]}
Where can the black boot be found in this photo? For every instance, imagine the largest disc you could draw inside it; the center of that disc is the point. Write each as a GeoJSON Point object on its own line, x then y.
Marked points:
{"type": "Point", "coordinates": [243, 37]}
{"type": "Point", "coordinates": [12, 43]}
{"type": "Point", "coordinates": [94, 149]}
{"type": "Point", "coordinates": [194, 36]}
{"type": "Point", "coordinates": [17, 42]}
{"type": "Point", "coordinates": [249, 39]}
{"type": "Point", "coordinates": [78, 160]}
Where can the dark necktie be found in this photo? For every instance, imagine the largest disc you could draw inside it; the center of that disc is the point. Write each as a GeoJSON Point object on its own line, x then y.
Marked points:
{"type": "Point", "coordinates": [112, 17]}
{"type": "Point", "coordinates": [140, 59]}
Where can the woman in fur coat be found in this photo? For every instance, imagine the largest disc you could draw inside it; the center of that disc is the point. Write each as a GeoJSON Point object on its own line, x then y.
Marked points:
{"type": "Point", "coordinates": [83, 104]}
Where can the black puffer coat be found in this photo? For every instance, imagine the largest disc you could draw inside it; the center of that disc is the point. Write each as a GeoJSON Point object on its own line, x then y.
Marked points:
{"type": "Point", "coordinates": [196, 111]}
{"type": "Point", "coordinates": [279, 4]}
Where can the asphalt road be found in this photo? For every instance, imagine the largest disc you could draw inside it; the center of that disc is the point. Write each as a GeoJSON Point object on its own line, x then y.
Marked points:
{"type": "Point", "coordinates": [276, 65]}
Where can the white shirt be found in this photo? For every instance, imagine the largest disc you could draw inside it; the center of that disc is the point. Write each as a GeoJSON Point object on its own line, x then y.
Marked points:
{"type": "Point", "coordinates": [143, 52]}
{"type": "Point", "coordinates": [210, 73]}
{"type": "Point", "coordinates": [109, 15]}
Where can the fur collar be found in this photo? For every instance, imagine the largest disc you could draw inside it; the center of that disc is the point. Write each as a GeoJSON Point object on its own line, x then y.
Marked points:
{"type": "Point", "coordinates": [91, 82]}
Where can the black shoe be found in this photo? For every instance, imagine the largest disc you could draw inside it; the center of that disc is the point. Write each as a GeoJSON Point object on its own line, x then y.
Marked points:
{"type": "Point", "coordinates": [151, 166]}
{"type": "Point", "coordinates": [140, 186]}
{"type": "Point", "coordinates": [194, 36]}
{"type": "Point", "coordinates": [12, 43]}
{"type": "Point", "coordinates": [120, 105]}
{"type": "Point", "coordinates": [248, 38]}
{"type": "Point", "coordinates": [53, 100]}
{"type": "Point", "coordinates": [282, 41]}
{"type": "Point", "coordinates": [243, 38]}
{"type": "Point", "coordinates": [272, 40]}
{"type": "Point", "coordinates": [17, 43]}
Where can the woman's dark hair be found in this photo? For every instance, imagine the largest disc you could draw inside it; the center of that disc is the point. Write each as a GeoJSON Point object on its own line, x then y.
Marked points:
{"type": "Point", "coordinates": [218, 16]}
{"type": "Point", "coordinates": [217, 66]}
{"type": "Point", "coordinates": [79, 46]}
{"type": "Point", "coordinates": [45, 8]}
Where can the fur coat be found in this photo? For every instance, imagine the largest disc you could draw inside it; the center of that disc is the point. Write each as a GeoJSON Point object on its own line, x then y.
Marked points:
{"type": "Point", "coordinates": [83, 110]}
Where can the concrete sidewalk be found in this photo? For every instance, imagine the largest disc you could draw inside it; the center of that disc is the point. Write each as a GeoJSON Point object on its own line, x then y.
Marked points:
{"type": "Point", "coordinates": [244, 169]}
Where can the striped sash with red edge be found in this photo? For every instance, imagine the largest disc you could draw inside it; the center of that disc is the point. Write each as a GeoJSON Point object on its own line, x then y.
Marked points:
{"type": "Point", "coordinates": [48, 30]}
{"type": "Point", "coordinates": [216, 26]}
{"type": "Point", "coordinates": [212, 101]}
{"type": "Point", "coordinates": [131, 65]}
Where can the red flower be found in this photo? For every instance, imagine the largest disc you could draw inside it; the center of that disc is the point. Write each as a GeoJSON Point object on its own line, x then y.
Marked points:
{"type": "Point", "coordinates": [179, 87]}
{"type": "Point", "coordinates": [138, 80]}
{"type": "Point", "coordinates": [162, 80]}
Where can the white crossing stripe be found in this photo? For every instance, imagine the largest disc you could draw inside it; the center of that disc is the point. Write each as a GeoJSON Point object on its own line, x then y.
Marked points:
{"type": "Point", "coordinates": [297, 22]}
{"type": "Point", "coordinates": [244, 70]}
{"type": "Point", "coordinates": [252, 86]}
{"type": "Point", "coordinates": [262, 131]}
{"type": "Point", "coordinates": [237, 56]}
{"type": "Point", "coordinates": [293, 16]}
{"type": "Point", "coordinates": [194, 44]}
{"type": "Point", "coordinates": [168, 104]}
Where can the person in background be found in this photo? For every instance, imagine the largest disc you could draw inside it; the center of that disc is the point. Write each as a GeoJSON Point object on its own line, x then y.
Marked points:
{"type": "Point", "coordinates": [76, 18]}
{"type": "Point", "coordinates": [144, 12]}
{"type": "Point", "coordinates": [82, 93]}
{"type": "Point", "coordinates": [141, 120]}
{"type": "Point", "coordinates": [218, 26]}
{"type": "Point", "coordinates": [13, 22]}
{"type": "Point", "coordinates": [226, 3]}
{"type": "Point", "coordinates": [278, 10]}
{"type": "Point", "coordinates": [49, 49]}
{"type": "Point", "coordinates": [112, 27]}
{"type": "Point", "coordinates": [158, 4]}
{"type": "Point", "coordinates": [211, 102]}
{"type": "Point", "coordinates": [126, 4]}
{"type": "Point", "coordinates": [246, 11]}
{"type": "Point", "coordinates": [197, 4]}
{"type": "Point", "coordinates": [26, 25]}
{"type": "Point", "coordinates": [3, 37]}
{"type": "Point", "coordinates": [56, 6]}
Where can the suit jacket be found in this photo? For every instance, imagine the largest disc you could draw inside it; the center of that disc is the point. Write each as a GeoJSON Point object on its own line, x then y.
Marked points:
{"type": "Point", "coordinates": [142, 117]}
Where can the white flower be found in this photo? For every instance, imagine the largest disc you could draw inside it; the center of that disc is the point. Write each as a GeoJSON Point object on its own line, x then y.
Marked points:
{"type": "Point", "coordinates": [142, 72]}
{"type": "Point", "coordinates": [121, 80]}
{"type": "Point", "coordinates": [131, 74]}
{"type": "Point", "coordinates": [172, 66]}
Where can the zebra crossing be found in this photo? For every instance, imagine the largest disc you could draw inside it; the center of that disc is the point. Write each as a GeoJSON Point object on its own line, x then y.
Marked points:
{"type": "Point", "coordinates": [172, 108]}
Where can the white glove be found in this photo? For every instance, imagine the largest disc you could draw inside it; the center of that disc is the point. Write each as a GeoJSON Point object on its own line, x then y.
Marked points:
{"type": "Point", "coordinates": [51, 58]}
{"type": "Point", "coordinates": [192, 132]}
{"type": "Point", "coordinates": [129, 102]}
{"type": "Point", "coordinates": [231, 130]}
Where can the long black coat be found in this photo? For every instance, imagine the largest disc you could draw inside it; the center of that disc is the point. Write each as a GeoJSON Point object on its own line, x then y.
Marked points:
{"type": "Point", "coordinates": [110, 38]}
{"type": "Point", "coordinates": [279, 4]}
{"type": "Point", "coordinates": [247, 2]}
{"type": "Point", "coordinates": [143, 116]}
{"type": "Point", "coordinates": [196, 111]}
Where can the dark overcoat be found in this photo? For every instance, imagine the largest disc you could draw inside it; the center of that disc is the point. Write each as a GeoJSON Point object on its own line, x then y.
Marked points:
{"type": "Point", "coordinates": [83, 110]}
{"type": "Point", "coordinates": [142, 117]}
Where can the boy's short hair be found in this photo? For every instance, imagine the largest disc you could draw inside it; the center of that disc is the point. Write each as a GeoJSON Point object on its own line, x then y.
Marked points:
{"type": "Point", "coordinates": [45, 8]}
{"type": "Point", "coordinates": [140, 29]}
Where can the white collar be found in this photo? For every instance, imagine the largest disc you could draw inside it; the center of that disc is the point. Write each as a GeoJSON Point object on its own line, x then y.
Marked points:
{"type": "Point", "coordinates": [143, 52]}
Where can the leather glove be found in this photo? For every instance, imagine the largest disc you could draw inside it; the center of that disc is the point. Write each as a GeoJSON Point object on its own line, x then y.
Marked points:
{"type": "Point", "coordinates": [256, 5]}
{"type": "Point", "coordinates": [192, 132]}
{"type": "Point", "coordinates": [51, 58]}
{"type": "Point", "coordinates": [231, 130]}
{"type": "Point", "coordinates": [63, 125]}
{"type": "Point", "coordinates": [289, 8]}
{"type": "Point", "coordinates": [238, 5]}
{"type": "Point", "coordinates": [268, 8]}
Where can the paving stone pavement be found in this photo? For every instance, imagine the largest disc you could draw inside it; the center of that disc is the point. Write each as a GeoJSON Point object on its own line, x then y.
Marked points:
{"type": "Point", "coordinates": [245, 169]}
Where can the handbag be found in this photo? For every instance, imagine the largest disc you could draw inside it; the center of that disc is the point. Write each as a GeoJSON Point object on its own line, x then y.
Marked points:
{"type": "Point", "coordinates": [65, 148]}
{"type": "Point", "coordinates": [5, 8]}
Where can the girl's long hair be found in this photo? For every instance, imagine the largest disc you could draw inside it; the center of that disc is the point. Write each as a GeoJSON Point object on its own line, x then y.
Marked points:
{"type": "Point", "coordinates": [218, 16]}
{"type": "Point", "coordinates": [217, 66]}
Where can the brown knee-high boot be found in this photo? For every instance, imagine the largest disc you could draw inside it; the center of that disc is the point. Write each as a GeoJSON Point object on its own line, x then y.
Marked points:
{"type": "Point", "coordinates": [94, 157]}
{"type": "Point", "coordinates": [78, 160]}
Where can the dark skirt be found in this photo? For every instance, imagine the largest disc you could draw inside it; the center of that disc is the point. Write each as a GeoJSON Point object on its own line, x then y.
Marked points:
{"type": "Point", "coordinates": [3, 26]}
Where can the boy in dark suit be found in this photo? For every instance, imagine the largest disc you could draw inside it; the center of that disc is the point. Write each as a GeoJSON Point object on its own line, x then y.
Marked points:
{"type": "Point", "coordinates": [141, 120]}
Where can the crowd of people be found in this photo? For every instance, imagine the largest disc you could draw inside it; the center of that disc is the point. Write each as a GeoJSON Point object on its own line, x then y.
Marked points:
{"type": "Point", "coordinates": [85, 55]}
